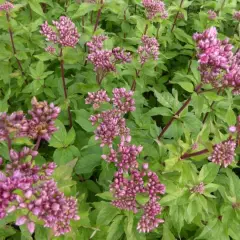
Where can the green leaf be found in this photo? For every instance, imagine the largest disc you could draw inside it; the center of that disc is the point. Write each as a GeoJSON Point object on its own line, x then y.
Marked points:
{"type": "Point", "coordinates": [64, 155]}
{"type": "Point", "coordinates": [36, 7]}
{"type": "Point", "coordinates": [230, 117]}
{"type": "Point", "coordinates": [192, 122]}
{"type": "Point", "coordinates": [70, 137]}
{"type": "Point", "coordinates": [116, 229]}
{"type": "Point", "coordinates": [106, 214]}
{"type": "Point", "coordinates": [45, 56]}
{"type": "Point", "coordinates": [84, 8]}
{"type": "Point", "coordinates": [58, 138]}
{"type": "Point", "coordinates": [87, 163]}
{"type": "Point", "coordinates": [208, 173]}
{"type": "Point", "coordinates": [186, 86]}
{"type": "Point", "coordinates": [167, 235]}
{"type": "Point", "coordinates": [82, 118]}
{"type": "Point", "coordinates": [7, 231]}
{"type": "Point", "coordinates": [165, 98]}
{"type": "Point", "coordinates": [65, 172]}
{"type": "Point", "coordinates": [162, 111]}
{"type": "Point", "coordinates": [105, 195]}
{"type": "Point", "coordinates": [41, 232]}
{"type": "Point", "coordinates": [212, 96]}
{"type": "Point", "coordinates": [182, 36]}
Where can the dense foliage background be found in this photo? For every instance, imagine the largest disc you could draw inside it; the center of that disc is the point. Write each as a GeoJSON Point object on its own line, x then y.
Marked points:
{"type": "Point", "coordinates": [162, 87]}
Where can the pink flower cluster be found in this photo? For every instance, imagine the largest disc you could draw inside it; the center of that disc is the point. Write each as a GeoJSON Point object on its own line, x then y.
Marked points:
{"type": "Point", "coordinates": [15, 123]}
{"type": "Point", "coordinates": [129, 179]}
{"type": "Point", "coordinates": [155, 8]}
{"type": "Point", "coordinates": [149, 49]}
{"type": "Point", "coordinates": [25, 185]}
{"type": "Point", "coordinates": [211, 14]}
{"type": "Point", "coordinates": [223, 153]}
{"type": "Point", "coordinates": [111, 122]}
{"type": "Point", "coordinates": [50, 49]}
{"type": "Point", "coordinates": [66, 35]}
{"type": "Point", "coordinates": [198, 188]}
{"type": "Point", "coordinates": [6, 6]}
{"type": "Point", "coordinates": [215, 57]}
{"type": "Point", "coordinates": [42, 122]}
{"type": "Point", "coordinates": [104, 61]}
{"type": "Point", "coordinates": [236, 15]}
{"type": "Point", "coordinates": [97, 98]}
{"type": "Point", "coordinates": [40, 125]}
{"type": "Point", "coordinates": [41, 196]}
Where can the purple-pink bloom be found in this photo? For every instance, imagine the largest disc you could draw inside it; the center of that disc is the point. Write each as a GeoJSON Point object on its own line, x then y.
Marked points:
{"type": "Point", "coordinates": [66, 34]}
{"type": "Point", "coordinates": [50, 49]}
{"type": "Point", "coordinates": [97, 98]}
{"type": "Point", "coordinates": [123, 100]}
{"type": "Point", "coordinates": [198, 188]}
{"type": "Point", "coordinates": [236, 15]}
{"type": "Point", "coordinates": [42, 122]}
{"type": "Point", "coordinates": [15, 123]}
{"type": "Point", "coordinates": [6, 6]}
{"type": "Point", "coordinates": [21, 220]}
{"type": "Point", "coordinates": [155, 8]}
{"type": "Point", "coordinates": [149, 49]}
{"type": "Point", "coordinates": [149, 221]}
{"type": "Point", "coordinates": [212, 14]}
{"type": "Point", "coordinates": [223, 153]}
{"type": "Point", "coordinates": [31, 227]}
{"type": "Point", "coordinates": [213, 55]}
{"type": "Point", "coordinates": [105, 61]}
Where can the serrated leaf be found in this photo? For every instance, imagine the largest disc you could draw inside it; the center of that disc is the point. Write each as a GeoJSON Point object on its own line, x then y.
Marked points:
{"type": "Point", "coordinates": [208, 173]}
{"type": "Point", "coordinates": [87, 163]}
{"type": "Point", "coordinates": [116, 229]}
{"type": "Point", "coordinates": [36, 7]}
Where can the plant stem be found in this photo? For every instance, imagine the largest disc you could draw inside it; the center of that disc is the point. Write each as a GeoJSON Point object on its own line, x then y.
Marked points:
{"type": "Point", "coordinates": [145, 30]}
{"type": "Point", "coordinates": [188, 155]}
{"type": "Point", "coordinates": [98, 17]}
{"type": "Point", "coordinates": [64, 86]}
{"type": "Point", "coordinates": [178, 112]}
{"type": "Point", "coordinates": [13, 45]}
{"type": "Point", "coordinates": [9, 143]}
{"type": "Point", "coordinates": [133, 87]}
{"type": "Point", "coordinates": [175, 19]}
{"type": "Point", "coordinates": [37, 143]}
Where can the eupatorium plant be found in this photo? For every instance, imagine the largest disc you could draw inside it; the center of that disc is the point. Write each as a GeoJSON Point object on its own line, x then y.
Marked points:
{"type": "Point", "coordinates": [66, 35]}
{"type": "Point", "coordinates": [130, 179]}
{"type": "Point", "coordinates": [105, 61]}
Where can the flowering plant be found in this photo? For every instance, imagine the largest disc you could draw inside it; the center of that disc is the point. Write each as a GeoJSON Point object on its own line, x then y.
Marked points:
{"type": "Point", "coordinates": [119, 120]}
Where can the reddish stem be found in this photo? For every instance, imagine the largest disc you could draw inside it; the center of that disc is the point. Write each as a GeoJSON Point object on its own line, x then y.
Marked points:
{"type": "Point", "coordinates": [133, 87]}
{"type": "Point", "coordinates": [178, 113]}
{"type": "Point", "coordinates": [188, 155]}
{"type": "Point", "coordinates": [9, 143]}
{"type": "Point", "coordinates": [175, 19]}
{"type": "Point", "coordinates": [145, 30]}
{"type": "Point", "coordinates": [37, 143]}
{"type": "Point", "coordinates": [13, 45]}
{"type": "Point", "coordinates": [98, 17]}
{"type": "Point", "coordinates": [64, 86]}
